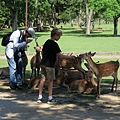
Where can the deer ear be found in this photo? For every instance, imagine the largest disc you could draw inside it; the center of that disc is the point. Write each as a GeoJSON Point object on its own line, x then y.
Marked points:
{"type": "Point", "coordinates": [89, 52]}
{"type": "Point", "coordinates": [94, 53]}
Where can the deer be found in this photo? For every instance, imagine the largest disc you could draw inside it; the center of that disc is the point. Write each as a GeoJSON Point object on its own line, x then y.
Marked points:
{"type": "Point", "coordinates": [68, 63]}
{"type": "Point", "coordinates": [100, 70]}
{"type": "Point", "coordinates": [70, 68]}
{"type": "Point", "coordinates": [34, 82]}
{"type": "Point", "coordinates": [25, 62]}
{"type": "Point", "coordinates": [4, 72]}
{"type": "Point", "coordinates": [83, 85]}
{"type": "Point", "coordinates": [36, 59]}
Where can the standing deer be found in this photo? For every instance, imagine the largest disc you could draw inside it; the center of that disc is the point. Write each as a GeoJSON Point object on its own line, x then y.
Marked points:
{"type": "Point", "coordinates": [35, 60]}
{"type": "Point", "coordinates": [102, 70]}
{"type": "Point", "coordinates": [25, 62]}
{"type": "Point", "coordinates": [65, 65]}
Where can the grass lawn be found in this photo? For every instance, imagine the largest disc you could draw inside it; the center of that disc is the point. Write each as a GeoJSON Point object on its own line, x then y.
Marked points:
{"type": "Point", "coordinates": [74, 39]}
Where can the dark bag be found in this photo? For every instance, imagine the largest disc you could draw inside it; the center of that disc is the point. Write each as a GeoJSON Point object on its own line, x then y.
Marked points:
{"type": "Point", "coordinates": [5, 39]}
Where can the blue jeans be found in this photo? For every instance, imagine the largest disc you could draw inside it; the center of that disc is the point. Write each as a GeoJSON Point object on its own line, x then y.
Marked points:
{"type": "Point", "coordinates": [19, 64]}
{"type": "Point", "coordinates": [15, 67]}
{"type": "Point", "coordinates": [12, 68]}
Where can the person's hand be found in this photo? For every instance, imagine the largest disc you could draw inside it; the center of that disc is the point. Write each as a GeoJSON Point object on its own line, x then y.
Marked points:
{"type": "Point", "coordinates": [28, 40]}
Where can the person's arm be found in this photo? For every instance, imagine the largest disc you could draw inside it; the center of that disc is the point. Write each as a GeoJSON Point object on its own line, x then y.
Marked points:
{"type": "Point", "coordinates": [16, 40]}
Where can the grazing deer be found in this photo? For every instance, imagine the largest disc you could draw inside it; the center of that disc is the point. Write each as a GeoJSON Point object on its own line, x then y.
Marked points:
{"type": "Point", "coordinates": [36, 59]}
{"type": "Point", "coordinates": [102, 70]}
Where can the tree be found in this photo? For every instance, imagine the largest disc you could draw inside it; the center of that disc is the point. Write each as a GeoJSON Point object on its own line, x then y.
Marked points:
{"type": "Point", "coordinates": [4, 15]}
{"type": "Point", "coordinates": [110, 9]}
{"type": "Point", "coordinates": [12, 5]}
{"type": "Point", "coordinates": [88, 18]}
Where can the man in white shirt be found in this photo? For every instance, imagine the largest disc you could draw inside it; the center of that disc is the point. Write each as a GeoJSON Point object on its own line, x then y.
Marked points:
{"type": "Point", "coordinates": [18, 40]}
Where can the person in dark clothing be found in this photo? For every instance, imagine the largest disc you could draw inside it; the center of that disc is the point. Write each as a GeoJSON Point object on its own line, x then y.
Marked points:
{"type": "Point", "coordinates": [50, 52]}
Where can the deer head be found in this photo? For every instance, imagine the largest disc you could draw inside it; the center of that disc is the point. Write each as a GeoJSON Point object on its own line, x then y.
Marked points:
{"type": "Point", "coordinates": [87, 55]}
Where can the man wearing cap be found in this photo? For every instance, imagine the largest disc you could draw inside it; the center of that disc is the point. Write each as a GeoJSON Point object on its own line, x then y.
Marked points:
{"type": "Point", "coordinates": [18, 41]}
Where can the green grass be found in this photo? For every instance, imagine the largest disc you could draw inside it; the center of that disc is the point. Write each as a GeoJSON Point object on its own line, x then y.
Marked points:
{"type": "Point", "coordinates": [74, 39]}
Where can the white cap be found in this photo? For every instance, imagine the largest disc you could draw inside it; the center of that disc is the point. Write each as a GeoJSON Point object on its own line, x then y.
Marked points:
{"type": "Point", "coordinates": [31, 31]}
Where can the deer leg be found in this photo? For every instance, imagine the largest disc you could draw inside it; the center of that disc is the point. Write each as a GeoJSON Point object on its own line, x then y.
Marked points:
{"type": "Point", "coordinates": [115, 81]}
{"type": "Point", "coordinates": [24, 73]}
{"type": "Point", "coordinates": [116, 85]}
{"type": "Point", "coordinates": [35, 71]}
{"type": "Point", "coordinates": [38, 70]}
{"type": "Point", "coordinates": [113, 84]}
{"type": "Point", "coordinates": [32, 73]}
{"type": "Point", "coordinates": [98, 88]}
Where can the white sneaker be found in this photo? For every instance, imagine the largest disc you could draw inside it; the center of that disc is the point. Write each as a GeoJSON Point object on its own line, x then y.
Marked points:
{"type": "Point", "coordinates": [39, 101]}
{"type": "Point", "coordinates": [52, 102]}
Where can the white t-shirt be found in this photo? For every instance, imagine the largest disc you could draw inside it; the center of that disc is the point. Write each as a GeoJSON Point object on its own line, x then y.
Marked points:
{"type": "Point", "coordinates": [15, 45]}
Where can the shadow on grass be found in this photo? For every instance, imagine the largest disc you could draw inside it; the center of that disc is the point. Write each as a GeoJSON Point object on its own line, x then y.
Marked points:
{"type": "Point", "coordinates": [71, 32]}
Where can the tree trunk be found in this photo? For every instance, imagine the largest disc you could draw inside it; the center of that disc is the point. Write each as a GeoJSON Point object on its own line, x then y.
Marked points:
{"type": "Point", "coordinates": [14, 20]}
{"type": "Point", "coordinates": [88, 19]}
{"type": "Point", "coordinates": [54, 15]}
{"type": "Point", "coordinates": [115, 25]}
{"type": "Point", "coordinates": [79, 16]}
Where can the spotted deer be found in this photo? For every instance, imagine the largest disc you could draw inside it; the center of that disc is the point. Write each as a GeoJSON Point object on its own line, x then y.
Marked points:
{"type": "Point", "coordinates": [100, 70]}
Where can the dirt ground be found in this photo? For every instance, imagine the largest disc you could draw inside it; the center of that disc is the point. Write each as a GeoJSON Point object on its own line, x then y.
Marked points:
{"type": "Point", "coordinates": [22, 105]}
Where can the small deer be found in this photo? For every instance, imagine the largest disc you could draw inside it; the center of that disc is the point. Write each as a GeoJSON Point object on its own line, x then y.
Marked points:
{"type": "Point", "coordinates": [36, 59]}
{"type": "Point", "coordinates": [34, 82]}
{"type": "Point", "coordinates": [102, 70]}
{"type": "Point", "coordinates": [25, 62]}
{"type": "Point", "coordinates": [83, 85]}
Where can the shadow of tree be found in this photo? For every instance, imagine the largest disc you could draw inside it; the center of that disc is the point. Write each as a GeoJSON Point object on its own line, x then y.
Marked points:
{"type": "Point", "coordinates": [22, 105]}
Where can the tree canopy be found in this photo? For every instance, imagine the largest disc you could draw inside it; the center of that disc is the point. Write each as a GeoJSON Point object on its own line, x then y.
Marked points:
{"type": "Point", "coordinates": [53, 12]}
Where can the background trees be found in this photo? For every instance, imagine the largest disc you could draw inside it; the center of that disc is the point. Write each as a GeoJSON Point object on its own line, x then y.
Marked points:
{"type": "Point", "coordinates": [54, 12]}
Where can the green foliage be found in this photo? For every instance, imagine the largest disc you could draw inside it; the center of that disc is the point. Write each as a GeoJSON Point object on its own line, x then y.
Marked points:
{"type": "Point", "coordinates": [4, 13]}
{"type": "Point", "coordinates": [108, 8]}
{"type": "Point", "coordinates": [64, 16]}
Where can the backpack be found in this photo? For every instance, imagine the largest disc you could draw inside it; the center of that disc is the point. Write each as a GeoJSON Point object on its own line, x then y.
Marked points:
{"type": "Point", "coordinates": [5, 39]}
